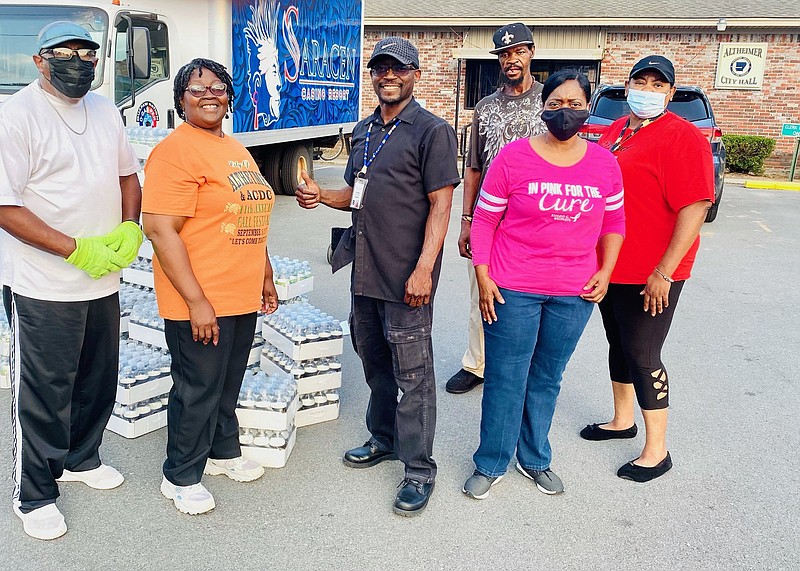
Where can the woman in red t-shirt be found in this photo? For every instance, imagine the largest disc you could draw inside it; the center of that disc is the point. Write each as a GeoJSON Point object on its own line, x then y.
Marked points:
{"type": "Point", "coordinates": [668, 175]}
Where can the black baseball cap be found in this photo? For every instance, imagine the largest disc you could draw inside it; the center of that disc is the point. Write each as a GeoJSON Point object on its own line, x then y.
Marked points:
{"type": "Point", "coordinates": [511, 35]}
{"type": "Point", "coordinates": [658, 63]}
{"type": "Point", "coordinates": [399, 48]}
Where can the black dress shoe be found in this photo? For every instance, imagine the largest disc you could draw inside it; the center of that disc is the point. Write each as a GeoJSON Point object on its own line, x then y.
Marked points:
{"type": "Point", "coordinates": [412, 498]}
{"type": "Point", "coordinates": [366, 456]}
{"type": "Point", "coordinates": [595, 432]}
{"type": "Point", "coordinates": [462, 382]}
{"type": "Point", "coordinates": [631, 471]}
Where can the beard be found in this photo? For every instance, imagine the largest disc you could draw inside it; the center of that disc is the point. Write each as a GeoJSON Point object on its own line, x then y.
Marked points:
{"type": "Point", "coordinates": [513, 82]}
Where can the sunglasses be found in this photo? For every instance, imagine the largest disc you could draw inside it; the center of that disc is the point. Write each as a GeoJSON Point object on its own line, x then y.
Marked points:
{"type": "Point", "coordinates": [398, 69]}
{"type": "Point", "coordinates": [86, 54]}
{"type": "Point", "coordinates": [197, 90]}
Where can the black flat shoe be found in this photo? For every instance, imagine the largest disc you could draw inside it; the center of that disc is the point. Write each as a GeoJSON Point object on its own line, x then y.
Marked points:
{"type": "Point", "coordinates": [412, 498]}
{"type": "Point", "coordinates": [631, 471]}
{"type": "Point", "coordinates": [366, 456]}
{"type": "Point", "coordinates": [595, 432]}
{"type": "Point", "coordinates": [462, 382]}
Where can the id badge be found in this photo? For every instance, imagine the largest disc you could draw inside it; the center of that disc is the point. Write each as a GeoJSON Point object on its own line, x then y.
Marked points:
{"type": "Point", "coordinates": [359, 190]}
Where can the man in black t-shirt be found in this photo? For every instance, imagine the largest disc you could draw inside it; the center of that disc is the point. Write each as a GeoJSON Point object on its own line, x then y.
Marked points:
{"type": "Point", "coordinates": [400, 179]}
{"type": "Point", "coordinates": [510, 113]}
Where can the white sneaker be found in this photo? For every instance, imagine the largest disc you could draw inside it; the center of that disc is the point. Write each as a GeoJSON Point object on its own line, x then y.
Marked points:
{"type": "Point", "coordinates": [239, 469]}
{"type": "Point", "coordinates": [45, 522]}
{"type": "Point", "coordinates": [190, 500]}
{"type": "Point", "coordinates": [101, 478]}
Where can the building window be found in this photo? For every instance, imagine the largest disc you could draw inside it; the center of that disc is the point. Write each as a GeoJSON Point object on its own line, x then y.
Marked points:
{"type": "Point", "coordinates": [483, 76]}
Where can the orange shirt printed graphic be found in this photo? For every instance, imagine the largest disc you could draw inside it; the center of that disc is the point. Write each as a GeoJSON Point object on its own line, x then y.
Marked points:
{"type": "Point", "coordinates": [215, 183]}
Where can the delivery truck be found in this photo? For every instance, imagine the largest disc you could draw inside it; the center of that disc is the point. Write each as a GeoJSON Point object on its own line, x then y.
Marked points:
{"type": "Point", "coordinates": [295, 66]}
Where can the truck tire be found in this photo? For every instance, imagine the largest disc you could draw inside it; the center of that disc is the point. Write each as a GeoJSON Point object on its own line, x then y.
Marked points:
{"type": "Point", "coordinates": [271, 166]}
{"type": "Point", "coordinates": [295, 158]}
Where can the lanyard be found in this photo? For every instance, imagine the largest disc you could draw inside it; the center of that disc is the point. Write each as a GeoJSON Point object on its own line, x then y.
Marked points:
{"type": "Point", "coordinates": [618, 143]}
{"type": "Point", "coordinates": [367, 159]}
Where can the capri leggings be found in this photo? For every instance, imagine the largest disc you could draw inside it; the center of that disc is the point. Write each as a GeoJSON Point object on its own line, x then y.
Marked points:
{"type": "Point", "coordinates": [635, 339]}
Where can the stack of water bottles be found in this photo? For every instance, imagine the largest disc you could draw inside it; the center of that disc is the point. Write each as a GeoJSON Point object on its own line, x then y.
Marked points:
{"type": "Point", "coordinates": [131, 296]}
{"type": "Point", "coordinates": [292, 277]}
{"type": "Point", "coordinates": [144, 362]}
{"type": "Point", "coordinates": [318, 382]}
{"type": "Point", "coordinates": [147, 136]}
{"type": "Point", "coordinates": [266, 411]}
{"type": "Point", "coordinates": [294, 369]}
{"type": "Point", "coordinates": [5, 340]}
{"type": "Point", "coordinates": [143, 384]}
{"type": "Point", "coordinates": [145, 324]}
{"type": "Point", "coordinates": [306, 343]}
{"type": "Point", "coordinates": [140, 272]}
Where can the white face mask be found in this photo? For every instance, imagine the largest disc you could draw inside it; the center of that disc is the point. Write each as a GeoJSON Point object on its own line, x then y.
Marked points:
{"type": "Point", "coordinates": [646, 104]}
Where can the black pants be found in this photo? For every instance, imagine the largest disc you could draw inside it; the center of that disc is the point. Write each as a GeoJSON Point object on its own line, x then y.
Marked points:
{"type": "Point", "coordinates": [64, 362]}
{"type": "Point", "coordinates": [635, 339]}
{"type": "Point", "coordinates": [7, 302]}
{"type": "Point", "coordinates": [201, 415]}
{"type": "Point", "coordinates": [394, 343]}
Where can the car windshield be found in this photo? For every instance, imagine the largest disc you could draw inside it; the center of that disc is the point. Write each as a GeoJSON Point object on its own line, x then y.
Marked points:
{"type": "Point", "coordinates": [690, 105]}
{"type": "Point", "coordinates": [19, 28]}
{"type": "Point", "coordinates": [611, 105]}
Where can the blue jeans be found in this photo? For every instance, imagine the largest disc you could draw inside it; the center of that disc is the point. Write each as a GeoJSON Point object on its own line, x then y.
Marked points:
{"type": "Point", "coordinates": [527, 350]}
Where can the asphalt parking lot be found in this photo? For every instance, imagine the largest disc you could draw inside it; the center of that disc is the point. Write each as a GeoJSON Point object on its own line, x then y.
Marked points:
{"type": "Point", "coordinates": [731, 502]}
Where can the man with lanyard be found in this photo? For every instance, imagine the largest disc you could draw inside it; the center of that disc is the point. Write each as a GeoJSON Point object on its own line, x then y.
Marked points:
{"type": "Point", "coordinates": [510, 113]}
{"type": "Point", "coordinates": [400, 180]}
{"type": "Point", "coordinates": [69, 202]}
{"type": "Point", "coordinates": [668, 174]}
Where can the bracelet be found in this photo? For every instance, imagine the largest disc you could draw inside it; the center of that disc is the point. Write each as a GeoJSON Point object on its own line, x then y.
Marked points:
{"type": "Point", "coordinates": [663, 275]}
{"type": "Point", "coordinates": [466, 217]}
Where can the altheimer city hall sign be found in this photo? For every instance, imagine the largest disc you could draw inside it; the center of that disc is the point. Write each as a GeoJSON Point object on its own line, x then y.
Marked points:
{"type": "Point", "coordinates": [741, 66]}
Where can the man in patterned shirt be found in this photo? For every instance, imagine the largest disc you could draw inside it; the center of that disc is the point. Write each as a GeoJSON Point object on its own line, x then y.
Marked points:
{"type": "Point", "coordinates": [510, 113]}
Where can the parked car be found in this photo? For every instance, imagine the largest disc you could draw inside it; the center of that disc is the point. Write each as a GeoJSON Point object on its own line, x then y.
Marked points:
{"type": "Point", "coordinates": [608, 104]}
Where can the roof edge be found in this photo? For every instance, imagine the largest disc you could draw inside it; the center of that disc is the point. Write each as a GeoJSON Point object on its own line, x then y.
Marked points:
{"type": "Point", "coordinates": [605, 22]}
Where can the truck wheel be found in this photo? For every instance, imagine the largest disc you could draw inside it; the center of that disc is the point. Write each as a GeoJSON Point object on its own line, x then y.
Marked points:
{"type": "Point", "coordinates": [295, 158]}
{"type": "Point", "coordinates": [271, 168]}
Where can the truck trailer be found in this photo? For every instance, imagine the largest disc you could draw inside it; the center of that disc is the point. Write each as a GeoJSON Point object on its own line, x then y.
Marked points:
{"type": "Point", "coordinates": [295, 64]}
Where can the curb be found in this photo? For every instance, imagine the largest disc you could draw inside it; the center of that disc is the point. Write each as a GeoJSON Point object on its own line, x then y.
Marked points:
{"type": "Point", "coordinates": [772, 185]}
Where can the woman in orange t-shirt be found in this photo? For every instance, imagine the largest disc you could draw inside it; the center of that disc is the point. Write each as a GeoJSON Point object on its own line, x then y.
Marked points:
{"type": "Point", "coordinates": [206, 208]}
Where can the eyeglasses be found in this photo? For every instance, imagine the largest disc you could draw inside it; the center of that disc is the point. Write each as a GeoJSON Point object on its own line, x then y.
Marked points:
{"type": "Point", "coordinates": [197, 90]}
{"type": "Point", "coordinates": [86, 54]}
{"type": "Point", "coordinates": [398, 69]}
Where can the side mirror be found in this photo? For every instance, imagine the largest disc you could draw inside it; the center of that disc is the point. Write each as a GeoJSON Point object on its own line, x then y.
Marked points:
{"type": "Point", "coordinates": [141, 52]}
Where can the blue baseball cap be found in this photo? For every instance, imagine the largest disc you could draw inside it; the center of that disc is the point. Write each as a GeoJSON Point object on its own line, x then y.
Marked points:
{"type": "Point", "coordinates": [57, 33]}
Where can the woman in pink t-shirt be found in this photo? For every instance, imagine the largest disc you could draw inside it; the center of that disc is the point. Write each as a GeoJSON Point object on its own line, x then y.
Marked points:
{"type": "Point", "coordinates": [547, 229]}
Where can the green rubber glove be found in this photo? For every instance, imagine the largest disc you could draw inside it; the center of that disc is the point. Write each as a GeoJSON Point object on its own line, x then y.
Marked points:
{"type": "Point", "coordinates": [125, 240]}
{"type": "Point", "coordinates": [94, 257]}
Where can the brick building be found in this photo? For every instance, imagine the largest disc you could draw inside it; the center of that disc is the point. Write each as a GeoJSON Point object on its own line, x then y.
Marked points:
{"type": "Point", "coordinates": [604, 39]}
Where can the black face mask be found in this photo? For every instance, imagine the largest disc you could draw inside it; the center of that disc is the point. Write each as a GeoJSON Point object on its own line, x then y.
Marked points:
{"type": "Point", "coordinates": [72, 77]}
{"type": "Point", "coordinates": [564, 123]}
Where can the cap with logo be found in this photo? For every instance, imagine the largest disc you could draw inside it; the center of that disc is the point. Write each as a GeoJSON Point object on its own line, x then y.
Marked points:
{"type": "Point", "coordinates": [511, 35]}
{"type": "Point", "coordinates": [399, 48]}
{"type": "Point", "coordinates": [57, 33]}
{"type": "Point", "coordinates": [658, 63]}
